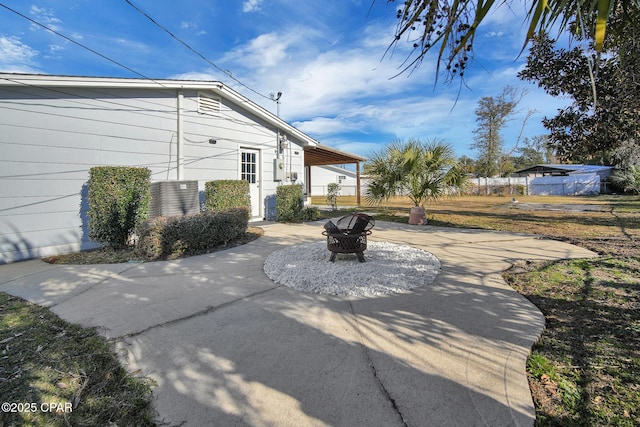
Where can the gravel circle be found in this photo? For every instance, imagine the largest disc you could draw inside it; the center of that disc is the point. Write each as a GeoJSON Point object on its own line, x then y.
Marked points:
{"type": "Point", "coordinates": [388, 268]}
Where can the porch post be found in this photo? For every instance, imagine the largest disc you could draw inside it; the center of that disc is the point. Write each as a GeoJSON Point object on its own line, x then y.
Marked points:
{"type": "Point", "coordinates": [358, 183]}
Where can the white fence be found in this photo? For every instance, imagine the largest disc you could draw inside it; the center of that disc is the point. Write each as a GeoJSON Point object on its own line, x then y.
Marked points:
{"type": "Point", "coordinates": [572, 185]}
{"type": "Point", "coordinates": [345, 190]}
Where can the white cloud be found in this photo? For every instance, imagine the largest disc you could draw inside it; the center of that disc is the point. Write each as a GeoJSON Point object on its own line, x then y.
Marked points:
{"type": "Point", "coordinates": [16, 56]}
{"type": "Point", "coordinates": [192, 26]}
{"type": "Point", "coordinates": [337, 91]}
{"type": "Point", "coordinates": [252, 6]}
{"type": "Point", "coordinates": [203, 76]}
{"type": "Point", "coordinates": [266, 50]}
{"type": "Point", "coordinates": [46, 17]}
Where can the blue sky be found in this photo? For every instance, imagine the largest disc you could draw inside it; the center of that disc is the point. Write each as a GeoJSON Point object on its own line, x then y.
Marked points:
{"type": "Point", "coordinates": [325, 56]}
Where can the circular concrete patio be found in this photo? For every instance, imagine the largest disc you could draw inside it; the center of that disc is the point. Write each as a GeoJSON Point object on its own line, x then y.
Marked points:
{"type": "Point", "coordinates": [228, 346]}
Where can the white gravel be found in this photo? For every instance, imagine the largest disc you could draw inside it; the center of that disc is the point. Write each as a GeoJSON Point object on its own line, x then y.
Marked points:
{"type": "Point", "coordinates": [388, 268]}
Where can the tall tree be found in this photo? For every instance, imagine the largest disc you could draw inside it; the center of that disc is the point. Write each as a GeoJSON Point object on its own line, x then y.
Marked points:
{"type": "Point", "coordinates": [467, 164]}
{"type": "Point", "coordinates": [626, 158]}
{"type": "Point", "coordinates": [534, 151]}
{"type": "Point", "coordinates": [605, 108]}
{"type": "Point", "coordinates": [492, 114]}
{"type": "Point", "coordinates": [449, 26]}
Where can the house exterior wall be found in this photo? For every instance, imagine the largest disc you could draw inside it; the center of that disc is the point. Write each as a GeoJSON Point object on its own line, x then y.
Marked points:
{"type": "Point", "coordinates": [51, 137]}
{"type": "Point", "coordinates": [322, 176]}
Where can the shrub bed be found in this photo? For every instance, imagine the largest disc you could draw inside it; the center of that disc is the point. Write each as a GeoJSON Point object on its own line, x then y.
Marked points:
{"type": "Point", "coordinates": [225, 194]}
{"type": "Point", "coordinates": [288, 203]}
{"type": "Point", "coordinates": [174, 237]}
{"type": "Point", "coordinates": [119, 200]}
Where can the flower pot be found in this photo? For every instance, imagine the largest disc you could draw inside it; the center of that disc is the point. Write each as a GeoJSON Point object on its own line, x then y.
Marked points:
{"type": "Point", "coordinates": [418, 216]}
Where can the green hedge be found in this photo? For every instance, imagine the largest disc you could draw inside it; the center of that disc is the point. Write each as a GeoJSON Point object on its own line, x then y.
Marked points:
{"type": "Point", "coordinates": [288, 203]}
{"type": "Point", "coordinates": [119, 198]}
{"type": "Point", "coordinates": [226, 194]}
{"type": "Point", "coordinates": [177, 236]}
{"type": "Point", "coordinates": [310, 213]}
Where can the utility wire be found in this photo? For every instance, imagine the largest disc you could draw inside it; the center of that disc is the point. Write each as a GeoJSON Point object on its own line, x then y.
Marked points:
{"type": "Point", "coordinates": [113, 61]}
{"type": "Point", "coordinates": [80, 44]}
{"type": "Point", "coordinates": [76, 99]}
{"type": "Point", "coordinates": [226, 72]}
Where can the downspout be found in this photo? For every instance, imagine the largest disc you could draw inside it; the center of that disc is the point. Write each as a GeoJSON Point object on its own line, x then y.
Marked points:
{"type": "Point", "coordinates": [180, 129]}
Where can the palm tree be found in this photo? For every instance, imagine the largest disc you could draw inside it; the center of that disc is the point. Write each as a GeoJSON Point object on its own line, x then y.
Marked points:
{"type": "Point", "coordinates": [422, 171]}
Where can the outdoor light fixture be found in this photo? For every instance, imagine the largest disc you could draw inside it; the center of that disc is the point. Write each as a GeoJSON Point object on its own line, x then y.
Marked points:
{"type": "Point", "coordinates": [213, 141]}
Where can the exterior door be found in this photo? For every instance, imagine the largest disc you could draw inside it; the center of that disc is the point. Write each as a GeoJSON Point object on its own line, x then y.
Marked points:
{"type": "Point", "coordinates": [250, 171]}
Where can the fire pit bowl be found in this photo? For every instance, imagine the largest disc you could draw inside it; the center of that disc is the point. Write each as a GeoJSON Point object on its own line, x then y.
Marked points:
{"type": "Point", "coordinates": [348, 235]}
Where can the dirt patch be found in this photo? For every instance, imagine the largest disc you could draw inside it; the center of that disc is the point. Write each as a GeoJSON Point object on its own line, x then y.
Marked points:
{"type": "Point", "coordinates": [559, 207]}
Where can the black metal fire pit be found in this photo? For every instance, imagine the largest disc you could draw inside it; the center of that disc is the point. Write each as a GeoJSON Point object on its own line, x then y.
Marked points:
{"type": "Point", "coordinates": [348, 235]}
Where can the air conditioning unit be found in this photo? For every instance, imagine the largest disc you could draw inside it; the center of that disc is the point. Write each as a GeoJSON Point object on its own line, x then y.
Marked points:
{"type": "Point", "coordinates": [171, 198]}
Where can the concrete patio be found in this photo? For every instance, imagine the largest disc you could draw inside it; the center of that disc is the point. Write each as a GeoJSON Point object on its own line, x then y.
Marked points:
{"type": "Point", "coordinates": [227, 346]}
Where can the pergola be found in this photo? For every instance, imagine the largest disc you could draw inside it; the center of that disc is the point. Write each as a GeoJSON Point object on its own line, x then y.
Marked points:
{"type": "Point", "coordinates": [321, 155]}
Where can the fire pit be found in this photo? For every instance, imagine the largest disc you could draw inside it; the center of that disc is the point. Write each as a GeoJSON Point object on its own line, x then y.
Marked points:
{"type": "Point", "coordinates": [348, 235]}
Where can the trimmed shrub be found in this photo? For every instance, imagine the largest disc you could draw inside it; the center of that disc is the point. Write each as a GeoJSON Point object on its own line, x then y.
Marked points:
{"type": "Point", "coordinates": [332, 195]}
{"type": "Point", "coordinates": [119, 198]}
{"type": "Point", "coordinates": [225, 194]}
{"type": "Point", "coordinates": [288, 203]}
{"type": "Point", "coordinates": [177, 236]}
{"type": "Point", "coordinates": [310, 213]}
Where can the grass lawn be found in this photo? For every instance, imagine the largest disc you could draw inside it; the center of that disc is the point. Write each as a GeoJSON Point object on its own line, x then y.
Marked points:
{"type": "Point", "coordinates": [584, 370]}
{"type": "Point", "coordinates": [46, 361]}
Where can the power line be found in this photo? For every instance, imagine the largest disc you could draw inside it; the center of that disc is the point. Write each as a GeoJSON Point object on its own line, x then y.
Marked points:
{"type": "Point", "coordinates": [125, 66]}
{"type": "Point", "coordinates": [163, 28]}
{"type": "Point", "coordinates": [75, 98]}
{"type": "Point", "coordinates": [79, 44]}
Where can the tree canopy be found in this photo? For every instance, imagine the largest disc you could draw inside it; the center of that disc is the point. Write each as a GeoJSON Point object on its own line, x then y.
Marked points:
{"type": "Point", "coordinates": [449, 26]}
{"type": "Point", "coordinates": [604, 91]}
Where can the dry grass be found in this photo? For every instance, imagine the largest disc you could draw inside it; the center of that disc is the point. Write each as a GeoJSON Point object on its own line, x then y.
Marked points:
{"type": "Point", "coordinates": [45, 360]}
{"type": "Point", "coordinates": [605, 224]}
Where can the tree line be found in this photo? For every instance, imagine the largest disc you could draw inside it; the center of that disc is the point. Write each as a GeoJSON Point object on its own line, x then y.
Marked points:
{"type": "Point", "coordinates": [599, 75]}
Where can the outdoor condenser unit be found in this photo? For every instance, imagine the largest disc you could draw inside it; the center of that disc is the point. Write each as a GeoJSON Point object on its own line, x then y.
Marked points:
{"type": "Point", "coordinates": [170, 198]}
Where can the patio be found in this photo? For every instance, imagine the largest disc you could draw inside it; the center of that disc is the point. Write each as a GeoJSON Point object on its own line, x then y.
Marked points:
{"type": "Point", "coordinates": [228, 346]}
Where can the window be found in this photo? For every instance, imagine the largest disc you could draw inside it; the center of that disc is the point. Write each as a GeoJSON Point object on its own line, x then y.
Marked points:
{"type": "Point", "coordinates": [248, 167]}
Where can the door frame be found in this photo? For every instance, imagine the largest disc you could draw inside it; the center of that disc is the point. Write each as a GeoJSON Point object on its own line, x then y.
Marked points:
{"type": "Point", "coordinates": [259, 180]}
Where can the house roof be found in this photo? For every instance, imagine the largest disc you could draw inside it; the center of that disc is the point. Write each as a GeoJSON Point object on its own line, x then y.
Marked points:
{"type": "Point", "coordinates": [557, 168]}
{"type": "Point", "coordinates": [321, 155]}
{"type": "Point", "coordinates": [52, 81]}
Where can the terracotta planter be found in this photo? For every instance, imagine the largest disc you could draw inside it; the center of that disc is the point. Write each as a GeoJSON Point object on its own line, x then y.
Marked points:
{"type": "Point", "coordinates": [418, 216]}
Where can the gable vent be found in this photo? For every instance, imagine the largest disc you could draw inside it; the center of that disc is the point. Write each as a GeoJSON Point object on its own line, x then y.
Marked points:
{"type": "Point", "coordinates": [208, 105]}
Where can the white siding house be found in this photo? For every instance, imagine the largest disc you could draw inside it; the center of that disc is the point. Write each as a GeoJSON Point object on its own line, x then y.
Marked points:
{"type": "Point", "coordinates": [53, 129]}
{"type": "Point", "coordinates": [322, 176]}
